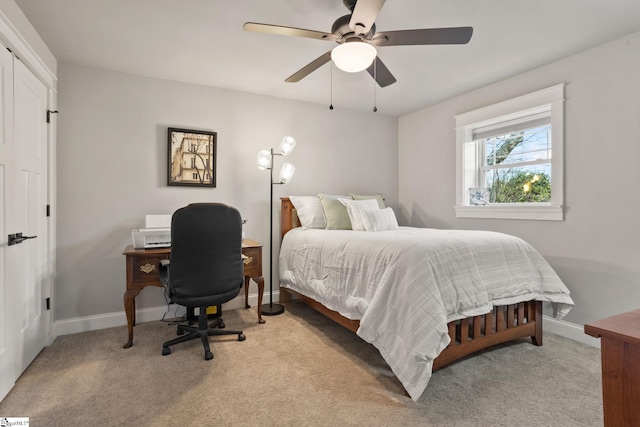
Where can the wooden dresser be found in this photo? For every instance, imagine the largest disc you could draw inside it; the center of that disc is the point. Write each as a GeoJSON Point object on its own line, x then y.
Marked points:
{"type": "Point", "coordinates": [620, 352]}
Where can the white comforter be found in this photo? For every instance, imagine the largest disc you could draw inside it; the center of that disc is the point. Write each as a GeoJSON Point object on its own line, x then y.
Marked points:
{"type": "Point", "coordinates": [405, 286]}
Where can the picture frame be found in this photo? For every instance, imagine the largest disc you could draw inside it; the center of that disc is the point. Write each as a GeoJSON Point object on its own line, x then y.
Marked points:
{"type": "Point", "coordinates": [191, 157]}
{"type": "Point", "coordinates": [479, 196]}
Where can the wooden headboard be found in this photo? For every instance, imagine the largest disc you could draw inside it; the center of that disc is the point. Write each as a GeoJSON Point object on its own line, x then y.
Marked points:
{"type": "Point", "coordinates": [288, 216]}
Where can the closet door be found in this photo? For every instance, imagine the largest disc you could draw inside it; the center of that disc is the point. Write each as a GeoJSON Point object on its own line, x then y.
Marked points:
{"type": "Point", "coordinates": [23, 199]}
{"type": "Point", "coordinates": [8, 332]}
{"type": "Point", "coordinates": [30, 195]}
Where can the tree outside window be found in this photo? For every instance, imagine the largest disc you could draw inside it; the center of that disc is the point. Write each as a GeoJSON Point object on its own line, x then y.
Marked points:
{"type": "Point", "coordinates": [518, 166]}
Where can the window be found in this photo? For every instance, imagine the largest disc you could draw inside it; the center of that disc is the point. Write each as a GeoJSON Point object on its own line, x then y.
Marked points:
{"type": "Point", "coordinates": [509, 158]}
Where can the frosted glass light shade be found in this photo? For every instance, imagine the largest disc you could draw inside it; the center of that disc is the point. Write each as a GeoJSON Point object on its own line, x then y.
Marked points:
{"type": "Point", "coordinates": [264, 159]}
{"type": "Point", "coordinates": [353, 56]}
{"type": "Point", "coordinates": [287, 144]}
{"type": "Point", "coordinates": [286, 172]}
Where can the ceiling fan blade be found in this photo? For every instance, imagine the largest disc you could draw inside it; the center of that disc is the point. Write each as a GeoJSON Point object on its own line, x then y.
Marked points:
{"type": "Point", "coordinates": [381, 73]}
{"type": "Point", "coordinates": [309, 68]}
{"type": "Point", "coordinates": [287, 31]}
{"type": "Point", "coordinates": [456, 35]}
{"type": "Point", "coordinates": [364, 15]}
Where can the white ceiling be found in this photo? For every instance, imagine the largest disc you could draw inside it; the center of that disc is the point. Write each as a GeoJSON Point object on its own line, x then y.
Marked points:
{"type": "Point", "coordinates": [202, 42]}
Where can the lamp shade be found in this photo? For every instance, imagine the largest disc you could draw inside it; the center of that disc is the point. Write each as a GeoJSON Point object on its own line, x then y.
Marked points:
{"type": "Point", "coordinates": [353, 56]}
{"type": "Point", "coordinates": [264, 159]}
{"type": "Point", "coordinates": [286, 172]}
{"type": "Point", "coordinates": [287, 144]}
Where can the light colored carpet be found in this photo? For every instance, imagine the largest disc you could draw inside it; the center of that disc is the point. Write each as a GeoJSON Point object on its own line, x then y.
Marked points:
{"type": "Point", "coordinates": [298, 369]}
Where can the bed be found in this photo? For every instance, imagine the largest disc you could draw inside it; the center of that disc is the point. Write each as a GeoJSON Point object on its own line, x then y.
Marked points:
{"type": "Point", "coordinates": [414, 333]}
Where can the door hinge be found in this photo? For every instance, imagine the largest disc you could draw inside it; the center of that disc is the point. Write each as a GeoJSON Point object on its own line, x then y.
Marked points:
{"type": "Point", "coordinates": [49, 113]}
{"type": "Point", "coordinates": [48, 302]}
{"type": "Point", "coordinates": [48, 210]}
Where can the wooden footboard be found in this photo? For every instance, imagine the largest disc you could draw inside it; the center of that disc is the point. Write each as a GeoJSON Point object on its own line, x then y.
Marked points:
{"type": "Point", "coordinates": [468, 336]}
{"type": "Point", "coordinates": [504, 323]}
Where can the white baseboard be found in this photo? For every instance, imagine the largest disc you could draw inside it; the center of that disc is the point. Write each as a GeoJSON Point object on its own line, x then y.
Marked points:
{"type": "Point", "coordinates": [110, 320]}
{"type": "Point", "coordinates": [568, 330]}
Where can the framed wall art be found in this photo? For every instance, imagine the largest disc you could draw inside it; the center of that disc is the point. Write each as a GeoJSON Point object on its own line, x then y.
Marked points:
{"type": "Point", "coordinates": [191, 158]}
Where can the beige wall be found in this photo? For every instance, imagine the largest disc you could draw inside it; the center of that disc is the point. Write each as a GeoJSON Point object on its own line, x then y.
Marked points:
{"type": "Point", "coordinates": [112, 159]}
{"type": "Point", "coordinates": [596, 250]}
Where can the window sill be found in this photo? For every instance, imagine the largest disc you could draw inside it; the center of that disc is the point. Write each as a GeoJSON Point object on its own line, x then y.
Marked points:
{"type": "Point", "coordinates": [540, 212]}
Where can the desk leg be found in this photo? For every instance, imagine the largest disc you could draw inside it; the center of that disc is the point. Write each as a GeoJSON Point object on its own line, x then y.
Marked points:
{"type": "Point", "coordinates": [260, 282]}
{"type": "Point", "coordinates": [130, 310]}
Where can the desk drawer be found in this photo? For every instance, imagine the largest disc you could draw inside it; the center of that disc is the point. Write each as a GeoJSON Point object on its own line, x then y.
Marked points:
{"type": "Point", "coordinates": [145, 269]}
{"type": "Point", "coordinates": [253, 262]}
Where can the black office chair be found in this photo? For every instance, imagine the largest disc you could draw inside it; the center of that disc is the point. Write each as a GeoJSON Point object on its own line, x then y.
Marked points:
{"type": "Point", "coordinates": [205, 267]}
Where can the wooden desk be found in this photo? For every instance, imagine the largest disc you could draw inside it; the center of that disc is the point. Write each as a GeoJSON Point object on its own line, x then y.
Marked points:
{"type": "Point", "coordinates": [142, 271]}
{"type": "Point", "coordinates": [620, 352]}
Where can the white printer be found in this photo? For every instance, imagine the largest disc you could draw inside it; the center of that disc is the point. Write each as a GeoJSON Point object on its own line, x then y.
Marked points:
{"type": "Point", "coordinates": [156, 234]}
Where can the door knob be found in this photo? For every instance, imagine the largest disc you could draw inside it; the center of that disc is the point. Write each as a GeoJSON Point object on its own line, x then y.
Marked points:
{"type": "Point", "coordinates": [14, 239]}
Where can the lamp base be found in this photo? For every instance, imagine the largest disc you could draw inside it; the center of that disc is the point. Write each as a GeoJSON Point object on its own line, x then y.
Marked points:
{"type": "Point", "coordinates": [272, 309]}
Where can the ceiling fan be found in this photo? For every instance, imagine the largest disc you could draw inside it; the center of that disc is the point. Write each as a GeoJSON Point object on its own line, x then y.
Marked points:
{"type": "Point", "coordinates": [357, 40]}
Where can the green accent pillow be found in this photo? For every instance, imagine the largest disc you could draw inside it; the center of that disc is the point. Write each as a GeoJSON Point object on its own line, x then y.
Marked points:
{"type": "Point", "coordinates": [335, 212]}
{"type": "Point", "coordinates": [377, 197]}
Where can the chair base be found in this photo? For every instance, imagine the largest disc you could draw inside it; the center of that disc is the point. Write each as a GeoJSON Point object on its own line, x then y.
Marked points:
{"type": "Point", "coordinates": [203, 331]}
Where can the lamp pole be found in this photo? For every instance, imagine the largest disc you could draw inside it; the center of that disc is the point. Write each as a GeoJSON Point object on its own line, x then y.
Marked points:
{"type": "Point", "coordinates": [271, 309]}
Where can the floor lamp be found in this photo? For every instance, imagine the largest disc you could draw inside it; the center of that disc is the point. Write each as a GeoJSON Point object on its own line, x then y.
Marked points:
{"type": "Point", "coordinates": [265, 161]}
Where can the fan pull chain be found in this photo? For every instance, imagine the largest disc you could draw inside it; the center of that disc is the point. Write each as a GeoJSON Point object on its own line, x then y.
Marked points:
{"type": "Point", "coordinates": [331, 105]}
{"type": "Point", "coordinates": [375, 82]}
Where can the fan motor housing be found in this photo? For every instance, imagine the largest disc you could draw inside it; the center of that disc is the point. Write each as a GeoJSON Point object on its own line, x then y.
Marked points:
{"type": "Point", "coordinates": [341, 28]}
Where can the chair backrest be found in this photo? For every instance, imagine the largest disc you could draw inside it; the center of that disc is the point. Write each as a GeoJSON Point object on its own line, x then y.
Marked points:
{"type": "Point", "coordinates": [206, 250]}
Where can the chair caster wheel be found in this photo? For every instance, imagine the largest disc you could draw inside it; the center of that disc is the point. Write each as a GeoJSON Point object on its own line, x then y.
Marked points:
{"type": "Point", "coordinates": [241, 337]}
{"type": "Point", "coordinates": [222, 325]}
{"type": "Point", "coordinates": [165, 351]}
{"type": "Point", "coordinates": [208, 355]}
{"type": "Point", "coordinates": [180, 332]}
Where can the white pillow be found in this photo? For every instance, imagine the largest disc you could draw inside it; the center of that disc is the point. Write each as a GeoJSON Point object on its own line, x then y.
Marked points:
{"type": "Point", "coordinates": [309, 210]}
{"type": "Point", "coordinates": [355, 209]}
{"type": "Point", "coordinates": [379, 220]}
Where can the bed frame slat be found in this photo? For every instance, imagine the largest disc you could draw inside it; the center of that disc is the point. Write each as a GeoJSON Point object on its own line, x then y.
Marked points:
{"type": "Point", "coordinates": [511, 316]}
{"type": "Point", "coordinates": [477, 326]}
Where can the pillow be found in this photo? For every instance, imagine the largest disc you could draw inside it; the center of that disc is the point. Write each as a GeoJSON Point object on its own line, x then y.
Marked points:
{"type": "Point", "coordinates": [379, 220]}
{"type": "Point", "coordinates": [355, 208]}
{"type": "Point", "coordinates": [309, 210]}
{"type": "Point", "coordinates": [335, 213]}
{"type": "Point", "coordinates": [377, 197]}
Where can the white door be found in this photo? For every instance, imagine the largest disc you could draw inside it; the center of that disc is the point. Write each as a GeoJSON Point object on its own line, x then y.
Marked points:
{"type": "Point", "coordinates": [30, 209]}
{"type": "Point", "coordinates": [8, 359]}
{"type": "Point", "coordinates": [25, 186]}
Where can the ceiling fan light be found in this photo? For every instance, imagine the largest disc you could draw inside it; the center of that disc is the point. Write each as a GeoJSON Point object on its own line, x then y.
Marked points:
{"type": "Point", "coordinates": [353, 56]}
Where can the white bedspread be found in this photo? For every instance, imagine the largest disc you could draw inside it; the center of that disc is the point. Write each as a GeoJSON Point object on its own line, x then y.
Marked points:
{"type": "Point", "coordinates": [405, 286]}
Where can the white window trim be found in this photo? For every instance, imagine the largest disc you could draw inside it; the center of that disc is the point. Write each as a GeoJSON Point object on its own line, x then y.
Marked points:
{"type": "Point", "coordinates": [550, 99]}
